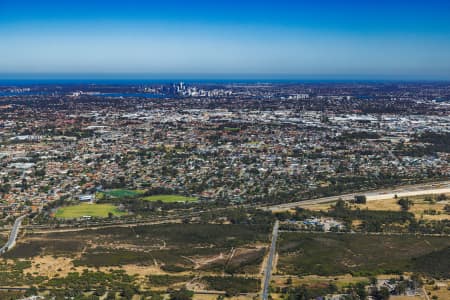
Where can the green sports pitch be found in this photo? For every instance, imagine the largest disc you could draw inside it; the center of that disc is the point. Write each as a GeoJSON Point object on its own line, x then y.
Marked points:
{"type": "Point", "coordinates": [170, 198]}
{"type": "Point", "coordinates": [121, 193]}
{"type": "Point", "coordinates": [86, 209]}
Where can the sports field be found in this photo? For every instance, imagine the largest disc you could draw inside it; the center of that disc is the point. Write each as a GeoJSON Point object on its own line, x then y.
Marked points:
{"type": "Point", "coordinates": [170, 198]}
{"type": "Point", "coordinates": [121, 193]}
{"type": "Point", "coordinates": [86, 209]}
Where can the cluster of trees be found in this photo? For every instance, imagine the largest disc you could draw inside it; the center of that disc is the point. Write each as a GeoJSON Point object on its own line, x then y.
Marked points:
{"type": "Point", "coordinates": [436, 264]}
{"type": "Point", "coordinates": [372, 221]}
{"type": "Point", "coordinates": [358, 135]}
{"type": "Point", "coordinates": [101, 285]}
{"type": "Point", "coordinates": [238, 216]}
{"type": "Point", "coordinates": [181, 294]}
{"type": "Point", "coordinates": [305, 292]}
{"type": "Point", "coordinates": [360, 199]}
{"type": "Point", "coordinates": [379, 293]}
{"type": "Point", "coordinates": [405, 203]}
{"type": "Point", "coordinates": [232, 286]}
{"type": "Point", "coordinates": [440, 142]}
{"type": "Point", "coordinates": [5, 188]}
{"type": "Point", "coordinates": [434, 227]}
{"type": "Point", "coordinates": [432, 142]}
{"type": "Point", "coordinates": [165, 280]}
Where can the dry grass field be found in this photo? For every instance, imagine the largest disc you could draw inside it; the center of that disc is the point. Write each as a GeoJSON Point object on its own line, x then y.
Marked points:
{"type": "Point", "coordinates": [441, 289]}
{"type": "Point", "coordinates": [421, 207]}
{"type": "Point", "coordinates": [407, 298]}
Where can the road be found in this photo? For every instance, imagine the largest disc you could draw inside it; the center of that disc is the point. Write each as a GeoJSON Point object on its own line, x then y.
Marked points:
{"type": "Point", "coordinates": [369, 233]}
{"type": "Point", "coordinates": [41, 230]}
{"type": "Point", "coordinates": [13, 236]}
{"type": "Point", "coordinates": [268, 270]}
{"type": "Point", "coordinates": [388, 193]}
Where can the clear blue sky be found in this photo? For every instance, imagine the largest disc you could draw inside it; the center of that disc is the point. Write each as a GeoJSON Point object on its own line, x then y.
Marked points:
{"type": "Point", "coordinates": [322, 38]}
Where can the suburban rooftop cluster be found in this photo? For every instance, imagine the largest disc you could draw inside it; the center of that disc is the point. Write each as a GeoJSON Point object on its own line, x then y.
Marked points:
{"type": "Point", "coordinates": [232, 142]}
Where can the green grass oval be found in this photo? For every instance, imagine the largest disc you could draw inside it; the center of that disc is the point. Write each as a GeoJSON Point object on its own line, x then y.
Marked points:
{"type": "Point", "coordinates": [86, 209]}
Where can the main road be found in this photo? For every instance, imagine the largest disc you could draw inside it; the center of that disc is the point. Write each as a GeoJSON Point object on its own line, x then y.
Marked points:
{"type": "Point", "coordinates": [268, 269]}
{"type": "Point", "coordinates": [13, 236]}
{"type": "Point", "coordinates": [381, 194]}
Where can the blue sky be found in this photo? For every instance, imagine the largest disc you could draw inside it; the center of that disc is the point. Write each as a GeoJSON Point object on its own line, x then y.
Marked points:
{"type": "Point", "coordinates": [317, 39]}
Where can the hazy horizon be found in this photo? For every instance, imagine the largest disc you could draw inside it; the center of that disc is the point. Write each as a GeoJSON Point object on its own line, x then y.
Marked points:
{"type": "Point", "coordinates": [214, 77]}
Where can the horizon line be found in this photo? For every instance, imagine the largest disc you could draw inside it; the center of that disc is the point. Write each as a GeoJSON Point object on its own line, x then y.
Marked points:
{"type": "Point", "coordinates": [102, 76]}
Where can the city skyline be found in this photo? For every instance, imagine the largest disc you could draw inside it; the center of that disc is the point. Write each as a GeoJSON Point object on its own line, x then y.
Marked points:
{"type": "Point", "coordinates": [404, 40]}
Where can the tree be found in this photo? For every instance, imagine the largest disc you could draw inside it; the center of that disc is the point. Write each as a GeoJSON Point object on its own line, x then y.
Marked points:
{"type": "Point", "coordinates": [24, 184]}
{"type": "Point", "coordinates": [405, 203]}
{"type": "Point", "coordinates": [400, 288]}
{"type": "Point", "coordinates": [357, 291]}
{"type": "Point", "coordinates": [128, 292]}
{"type": "Point", "coordinates": [381, 294]}
{"type": "Point", "coordinates": [157, 297]}
{"type": "Point", "coordinates": [32, 291]}
{"type": "Point", "coordinates": [360, 199]}
{"type": "Point", "coordinates": [40, 173]}
{"type": "Point", "coordinates": [232, 292]}
{"type": "Point", "coordinates": [441, 197]}
{"type": "Point", "coordinates": [99, 291]}
{"type": "Point", "coordinates": [182, 294]}
{"type": "Point", "coordinates": [340, 205]}
{"type": "Point", "coordinates": [417, 280]}
{"type": "Point", "coordinates": [447, 208]}
{"type": "Point", "coordinates": [5, 188]}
